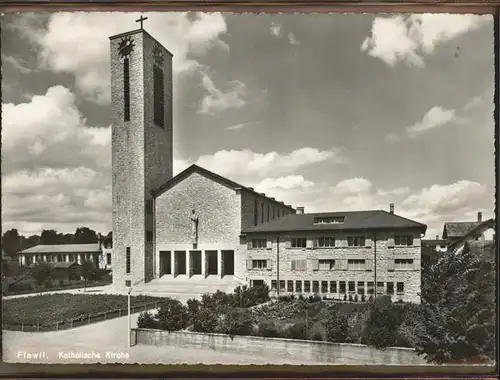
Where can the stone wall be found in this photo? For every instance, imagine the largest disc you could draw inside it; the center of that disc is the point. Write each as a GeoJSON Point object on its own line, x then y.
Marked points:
{"type": "Point", "coordinates": [308, 352]}
{"type": "Point", "coordinates": [384, 255]}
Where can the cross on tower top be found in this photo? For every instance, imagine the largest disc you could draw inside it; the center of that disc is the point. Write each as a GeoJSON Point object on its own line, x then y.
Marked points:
{"type": "Point", "coordinates": [141, 19]}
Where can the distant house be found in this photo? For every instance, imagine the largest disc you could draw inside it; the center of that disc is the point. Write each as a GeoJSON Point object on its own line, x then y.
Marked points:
{"type": "Point", "coordinates": [454, 231]}
{"type": "Point", "coordinates": [482, 232]}
{"type": "Point", "coordinates": [99, 253]}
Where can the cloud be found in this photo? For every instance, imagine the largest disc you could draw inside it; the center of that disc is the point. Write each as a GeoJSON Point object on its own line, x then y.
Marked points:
{"type": "Point", "coordinates": [396, 191]}
{"type": "Point", "coordinates": [434, 118]}
{"type": "Point", "coordinates": [284, 183]}
{"type": "Point", "coordinates": [439, 199]}
{"type": "Point", "coordinates": [49, 132]}
{"type": "Point", "coordinates": [352, 186]}
{"type": "Point", "coordinates": [409, 38]}
{"type": "Point", "coordinates": [292, 39]}
{"type": "Point", "coordinates": [17, 64]}
{"type": "Point", "coordinates": [249, 165]}
{"type": "Point", "coordinates": [219, 101]}
{"type": "Point", "coordinates": [77, 43]}
{"type": "Point", "coordinates": [235, 127]}
{"type": "Point", "coordinates": [474, 102]}
{"type": "Point", "coordinates": [275, 29]}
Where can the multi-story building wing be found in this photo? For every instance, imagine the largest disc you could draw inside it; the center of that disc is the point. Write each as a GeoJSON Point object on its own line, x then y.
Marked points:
{"type": "Point", "coordinates": [337, 254]}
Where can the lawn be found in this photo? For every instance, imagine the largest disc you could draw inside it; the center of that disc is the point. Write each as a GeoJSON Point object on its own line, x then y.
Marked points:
{"type": "Point", "coordinates": [48, 309]}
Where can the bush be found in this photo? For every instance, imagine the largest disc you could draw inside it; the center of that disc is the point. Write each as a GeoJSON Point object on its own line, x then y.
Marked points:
{"type": "Point", "coordinates": [371, 298]}
{"type": "Point", "coordinates": [315, 298]}
{"type": "Point", "coordinates": [317, 333]}
{"type": "Point", "coordinates": [301, 297]}
{"type": "Point", "coordinates": [236, 322]}
{"type": "Point", "coordinates": [146, 320]}
{"type": "Point", "coordinates": [337, 328]}
{"type": "Point", "coordinates": [350, 297]}
{"type": "Point", "coordinates": [356, 298]}
{"type": "Point", "coordinates": [173, 315]}
{"type": "Point", "coordinates": [205, 321]}
{"type": "Point", "coordinates": [380, 337]}
{"type": "Point", "coordinates": [269, 329]}
{"type": "Point", "coordinates": [363, 298]}
{"type": "Point", "coordinates": [193, 307]}
{"type": "Point", "coordinates": [297, 331]}
{"type": "Point", "coordinates": [61, 283]}
{"type": "Point", "coordinates": [383, 323]}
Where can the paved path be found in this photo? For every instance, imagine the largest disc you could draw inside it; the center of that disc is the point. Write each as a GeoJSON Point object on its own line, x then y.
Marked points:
{"type": "Point", "coordinates": [111, 337]}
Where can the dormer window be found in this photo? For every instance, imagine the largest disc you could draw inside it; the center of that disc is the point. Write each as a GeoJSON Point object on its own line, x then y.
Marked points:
{"type": "Point", "coordinates": [329, 220]}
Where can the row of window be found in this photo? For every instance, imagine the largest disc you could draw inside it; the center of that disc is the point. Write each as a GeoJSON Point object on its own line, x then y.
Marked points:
{"type": "Point", "coordinates": [332, 264]}
{"type": "Point", "coordinates": [276, 213]}
{"type": "Point", "coordinates": [336, 287]}
{"type": "Point", "coordinates": [330, 242]}
{"type": "Point", "coordinates": [60, 258]}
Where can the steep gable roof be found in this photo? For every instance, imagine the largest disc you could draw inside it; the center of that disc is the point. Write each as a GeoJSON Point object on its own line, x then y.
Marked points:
{"type": "Point", "coordinates": [353, 220]}
{"type": "Point", "coordinates": [214, 177]}
{"type": "Point", "coordinates": [453, 230]}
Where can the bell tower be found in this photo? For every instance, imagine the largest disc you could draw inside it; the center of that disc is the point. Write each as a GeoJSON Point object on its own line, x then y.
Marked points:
{"type": "Point", "coordinates": [142, 156]}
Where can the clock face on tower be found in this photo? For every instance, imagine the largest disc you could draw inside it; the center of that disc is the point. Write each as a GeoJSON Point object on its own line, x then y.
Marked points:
{"type": "Point", "coordinates": [125, 47]}
{"type": "Point", "coordinates": [158, 56]}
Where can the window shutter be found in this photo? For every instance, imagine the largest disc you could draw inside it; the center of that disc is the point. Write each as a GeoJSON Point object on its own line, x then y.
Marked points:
{"type": "Point", "coordinates": [315, 241]}
{"type": "Point", "coordinates": [288, 243]}
{"type": "Point", "coordinates": [390, 242]}
{"type": "Point", "coordinates": [315, 264]}
{"type": "Point", "coordinates": [390, 265]}
{"type": "Point", "coordinates": [410, 240]}
{"type": "Point", "coordinates": [249, 264]}
{"type": "Point", "coordinates": [345, 264]}
{"type": "Point", "coordinates": [269, 264]}
{"type": "Point", "coordinates": [369, 264]}
{"type": "Point", "coordinates": [309, 243]}
{"type": "Point", "coordinates": [293, 264]}
{"type": "Point", "coordinates": [269, 243]}
{"type": "Point", "coordinates": [249, 243]}
{"type": "Point", "coordinates": [416, 264]}
{"type": "Point", "coordinates": [368, 241]}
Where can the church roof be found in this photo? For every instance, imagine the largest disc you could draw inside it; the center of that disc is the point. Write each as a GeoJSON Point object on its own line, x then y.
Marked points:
{"type": "Point", "coordinates": [350, 220]}
{"type": "Point", "coordinates": [63, 248]}
{"type": "Point", "coordinates": [214, 177]}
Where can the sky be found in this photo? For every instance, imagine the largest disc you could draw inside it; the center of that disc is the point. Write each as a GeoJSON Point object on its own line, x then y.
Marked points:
{"type": "Point", "coordinates": [332, 112]}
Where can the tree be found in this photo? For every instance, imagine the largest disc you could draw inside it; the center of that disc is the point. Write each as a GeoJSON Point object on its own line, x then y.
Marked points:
{"type": "Point", "coordinates": [88, 271]}
{"type": "Point", "coordinates": [49, 237]}
{"type": "Point", "coordinates": [84, 235]}
{"type": "Point", "coordinates": [205, 321]}
{"type": "Point", "coordinates": [42, 273]}
{"type": "Point", "coordinates": [11, 242]}
{"type": "Point", "coordinates": [458, 307]}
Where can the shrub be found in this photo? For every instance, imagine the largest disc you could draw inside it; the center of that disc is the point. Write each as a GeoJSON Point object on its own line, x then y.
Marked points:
{"type": "Point", "coordinates": [337, 328]}
{"type": "Point", "coordinates": [345, 297]}
{"type": "Point", "coordinates": [350, 297]}
{"type": "Point", "coordinates": [301, 297]}
{"type": "Point", "coordinates": [146, 320]}
{"type": "Point", "coordinates": [383, 323]}
{"type": "Point", "coordinates": [363, 298]}
{"type": "Point", "coordinates": [356, 298]}
{"type": "Point", "coordinates": [317, 333]}
{"type": "Point", "coordinates": [268, 329]}
{"type": "Point", "coordinates": [61, 283]}
{"type": "Point", "coordinates": [371, 298]}
{"type": "Point", "coordinates": [297, 331]}
{"type": "Point", "coordinates": [173, 315]}
{"type": "Point", "coordinates": [380, 337]}
{"type": "Point", "coordinates": [205, 321]}
{"type": "Point", "coordinates": [193, 307]}
{"type": "Point", "coordinates": [315, 298]}
{"type": "Point", "coordinates": [325, 297]}
{"type": "Point", "coordinates": [236, 322]}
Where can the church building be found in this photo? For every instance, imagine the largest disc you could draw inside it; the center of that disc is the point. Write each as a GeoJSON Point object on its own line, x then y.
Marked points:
{"type": "Point", "coordinates": [199, 226]}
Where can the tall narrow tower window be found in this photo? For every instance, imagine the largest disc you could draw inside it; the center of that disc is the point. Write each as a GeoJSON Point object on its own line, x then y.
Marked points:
{"type": "Point", "coordinates": [159, 91]}
{"type": "Point", "coordinates": [127, 263]}
{"type": "Point", "coordinates": [126, 89]}
{"type": "Point", "coordinates": [255, 213]}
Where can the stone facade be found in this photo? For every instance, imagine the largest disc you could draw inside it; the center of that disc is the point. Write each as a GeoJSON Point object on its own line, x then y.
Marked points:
{"type": "Point", "coordinates": [379, 253]}
{"type": "Point", "coordinates": [141, 156]}
{"type": "Point", "coordinates": [222, 210]}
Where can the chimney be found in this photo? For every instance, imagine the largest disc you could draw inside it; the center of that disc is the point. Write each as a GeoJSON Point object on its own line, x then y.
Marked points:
{"type": "Point", "coordinates": [250, 188]}
{"type": "Point", "coordinates": [479, 216]}
{"type": "Point", "coordinates": [299, 210]}
{"type": "Point", "coordinates": [391, 208]}
{"type": "Point", "coordinates": [437, 237]}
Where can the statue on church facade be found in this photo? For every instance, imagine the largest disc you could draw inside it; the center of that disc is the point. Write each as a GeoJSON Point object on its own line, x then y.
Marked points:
{"type": "Point", "coordinates": [194, 227]}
